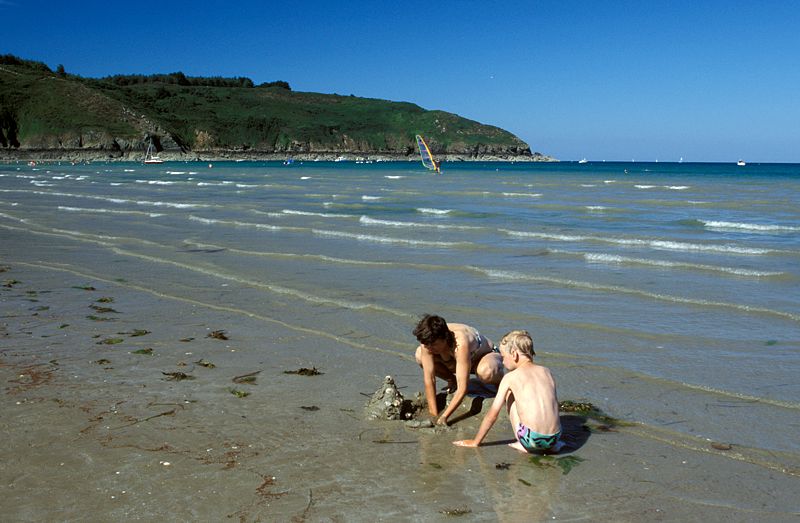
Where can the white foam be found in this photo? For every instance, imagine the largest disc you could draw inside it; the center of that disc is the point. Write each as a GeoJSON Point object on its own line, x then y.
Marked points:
{"type": "Point", "coordinates": [749, 226]}
{"type": "Point", "coordinates": [109, 199]}
{"type": "Point", "coordinates": [521, 195]}
{"type": "Point", "coordinates": [426, 210]}
{"type": "Point", "coordinates": [394, 177]}
{"type": "Point", "coordinates": [156, 182]}
{"type": "Point", "coordinates": [366, 220]}
{"type": "Point", "coordinates": [615, 259]}
{"type": "Point", "coordinates": [652, 244]}
{"type": "Point", "coordinates": [236, 223]}
{"type": "Point", "coordinates": [318, 214]}
{"type": "Point", "coordinates": [382, 239]}
{"type": "Point", "coordinates": [617, 289]}
{"type": "Point", "coordinates": [14, 218]}
{"type": "Point", "coordinates": [108, 211]}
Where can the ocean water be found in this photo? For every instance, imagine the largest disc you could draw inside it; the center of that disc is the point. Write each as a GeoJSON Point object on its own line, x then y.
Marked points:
{"type": "Point", "coordinates": [667, 294]}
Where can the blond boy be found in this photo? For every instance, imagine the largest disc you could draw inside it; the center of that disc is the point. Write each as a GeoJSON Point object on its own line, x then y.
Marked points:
{"type": "Point", "coordinates": [529, 393]}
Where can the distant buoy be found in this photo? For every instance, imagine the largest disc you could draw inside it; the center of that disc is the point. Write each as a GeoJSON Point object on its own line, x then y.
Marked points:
{"type": "Point", "coordinates": [210, 166]}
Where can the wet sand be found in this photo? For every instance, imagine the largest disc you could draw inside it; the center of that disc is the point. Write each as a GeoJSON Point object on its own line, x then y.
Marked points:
{"type": "Point", "coordinates": [94, 430]}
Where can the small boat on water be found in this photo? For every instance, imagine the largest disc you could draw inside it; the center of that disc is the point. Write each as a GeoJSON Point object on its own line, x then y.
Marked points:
{"type": "Point", "coordinates": [584, 160]}
{"type": "Point", "coordinates": [741, 163]}
{"type": "Point", "coordinates": [150, 156]}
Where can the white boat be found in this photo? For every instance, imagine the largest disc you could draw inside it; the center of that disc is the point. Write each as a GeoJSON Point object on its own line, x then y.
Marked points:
{"type": "Point", "coordinates": [741, 163]}
{"type": "Point", "coordinates": [150, 156]}
{"type": "Point", "coordinates": [583, 161]}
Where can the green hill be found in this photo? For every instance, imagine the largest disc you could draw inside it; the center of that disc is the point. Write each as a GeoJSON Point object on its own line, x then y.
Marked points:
{"type": "Point", "coordinates": [60, 116]}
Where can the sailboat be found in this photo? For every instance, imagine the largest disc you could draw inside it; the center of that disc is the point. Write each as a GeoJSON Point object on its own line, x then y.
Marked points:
{"type": "Point", "coordinates": [426, 156]}
{"type": "Point", "coordinates": [149, 156]}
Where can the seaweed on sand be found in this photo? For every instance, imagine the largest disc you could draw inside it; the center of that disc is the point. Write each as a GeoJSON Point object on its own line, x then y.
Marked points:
{"type": "Point", "coordinates": [110, 341]}
{"type": "Point", "coordinates": [238, 393]}
{"type": "Point", "coordinates": [84, 287]}
{"type": "Point", "coordinates": [565, 463]}
{"type": "Point", "coordinates": [206, 364]}
{"type": "Point", "coordinates": [105, 299]}
{"type": "Point", "coordinates": [10, 283]}
{"type": "Point", "coordinates": [310, 408]}
{"type": "Point", "coordinates": [249, 378]}
{"type": "Point", "coordinates": [456, 511]}
{"type": "Point", "coordinates": [303, 371]}
{"type": "Point", "coordinates": [102, 361]}
{"type": "Point", "coordinates": [135, 332]}
{"type": "Point", "coordinates": [588, 410]}
{"type": "Point", "coordinates": [177, 376]}
{"type": "Point", "coordinates": [98, 318]}
{"type": "Point", "coordinates": [103, 310]}
{"type": "Point", "coordinates": [217, 335]}
{"type": "Point", "coordinates": [148, 351]}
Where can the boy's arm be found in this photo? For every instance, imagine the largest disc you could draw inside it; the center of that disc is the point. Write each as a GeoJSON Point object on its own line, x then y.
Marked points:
{"type": "Point", "coordinates": [489, 419]}
{"type": "Point", "coordinates": [463, 364]}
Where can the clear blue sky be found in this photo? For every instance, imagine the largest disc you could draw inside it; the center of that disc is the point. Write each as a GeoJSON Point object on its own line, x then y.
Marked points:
{"type": "Point", "coordinates": [618, 80]}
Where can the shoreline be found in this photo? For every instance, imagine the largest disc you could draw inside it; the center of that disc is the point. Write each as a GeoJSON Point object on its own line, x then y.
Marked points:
{"type": "Point", "coordinates": [82, 155]}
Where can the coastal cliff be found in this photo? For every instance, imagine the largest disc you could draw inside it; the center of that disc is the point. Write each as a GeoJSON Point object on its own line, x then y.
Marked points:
{"type": "Point", "coordinates": [55, 116]}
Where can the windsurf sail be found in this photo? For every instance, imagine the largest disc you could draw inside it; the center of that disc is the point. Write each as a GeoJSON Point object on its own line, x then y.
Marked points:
{"type": "Point", "coordinates": [426, 156]}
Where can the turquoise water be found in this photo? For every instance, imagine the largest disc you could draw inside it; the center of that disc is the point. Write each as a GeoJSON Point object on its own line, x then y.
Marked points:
{"type": "Point", "coordinates": [668, 294]}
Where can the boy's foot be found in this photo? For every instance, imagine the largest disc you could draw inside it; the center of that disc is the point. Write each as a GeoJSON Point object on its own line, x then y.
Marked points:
{"type": "Point", "coordinates": [518, 446]}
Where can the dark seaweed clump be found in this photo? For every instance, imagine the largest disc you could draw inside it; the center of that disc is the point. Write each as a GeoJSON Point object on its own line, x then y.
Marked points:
{"type": "Point", "coordinates": [303, 371]}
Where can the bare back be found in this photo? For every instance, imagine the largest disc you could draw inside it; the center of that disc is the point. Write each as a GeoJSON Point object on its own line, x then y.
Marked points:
{"type": "Point", "coordinates": [535, 397]}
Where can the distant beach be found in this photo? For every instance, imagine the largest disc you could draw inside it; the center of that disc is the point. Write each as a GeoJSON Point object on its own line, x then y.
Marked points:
{"type": "Point", "coordinates": [156, 318]}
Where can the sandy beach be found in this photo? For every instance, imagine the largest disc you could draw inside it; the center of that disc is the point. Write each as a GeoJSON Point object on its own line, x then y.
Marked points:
{"type": "Point", "coordinates": [94, 430]}
{"type": "Point", "coordinates": [154, 321]}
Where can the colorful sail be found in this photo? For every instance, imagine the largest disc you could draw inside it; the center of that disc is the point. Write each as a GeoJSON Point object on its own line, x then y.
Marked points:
{"type": "Point", "coordinates": [426, 156]}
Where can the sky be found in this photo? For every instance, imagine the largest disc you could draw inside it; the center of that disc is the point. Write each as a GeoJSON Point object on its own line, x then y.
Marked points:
{"type": "Point", "coordinates": [616, 80]}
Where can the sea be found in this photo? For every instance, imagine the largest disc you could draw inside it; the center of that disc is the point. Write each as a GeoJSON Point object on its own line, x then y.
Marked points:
{"type": "Point", "coordinates": [666, 294]}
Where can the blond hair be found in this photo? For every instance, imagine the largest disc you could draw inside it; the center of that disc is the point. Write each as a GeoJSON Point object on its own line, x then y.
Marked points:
{"type": "Point", "coordinates": [520, 341]}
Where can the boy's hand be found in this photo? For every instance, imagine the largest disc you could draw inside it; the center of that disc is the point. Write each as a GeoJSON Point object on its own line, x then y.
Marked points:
{"type": "Point", "coordinates": [466, 443]}
{"type": "Point", "coordinates": [441, 420]}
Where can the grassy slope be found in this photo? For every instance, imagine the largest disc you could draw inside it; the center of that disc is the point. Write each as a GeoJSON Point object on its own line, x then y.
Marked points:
{"type": "Point", "coordinates": [47, 108]}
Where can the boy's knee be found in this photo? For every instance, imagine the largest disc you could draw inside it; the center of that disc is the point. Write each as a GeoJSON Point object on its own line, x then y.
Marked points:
{"type": "Point", "coordinates": [489, 371]}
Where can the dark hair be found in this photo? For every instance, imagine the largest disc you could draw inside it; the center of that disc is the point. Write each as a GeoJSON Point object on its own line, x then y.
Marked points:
{"type": "Point", "coordinates": [431, 328]}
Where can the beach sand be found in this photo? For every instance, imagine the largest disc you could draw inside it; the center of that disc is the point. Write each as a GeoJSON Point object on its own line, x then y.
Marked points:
{"type": "Point", "coordinates": [94, 431]}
